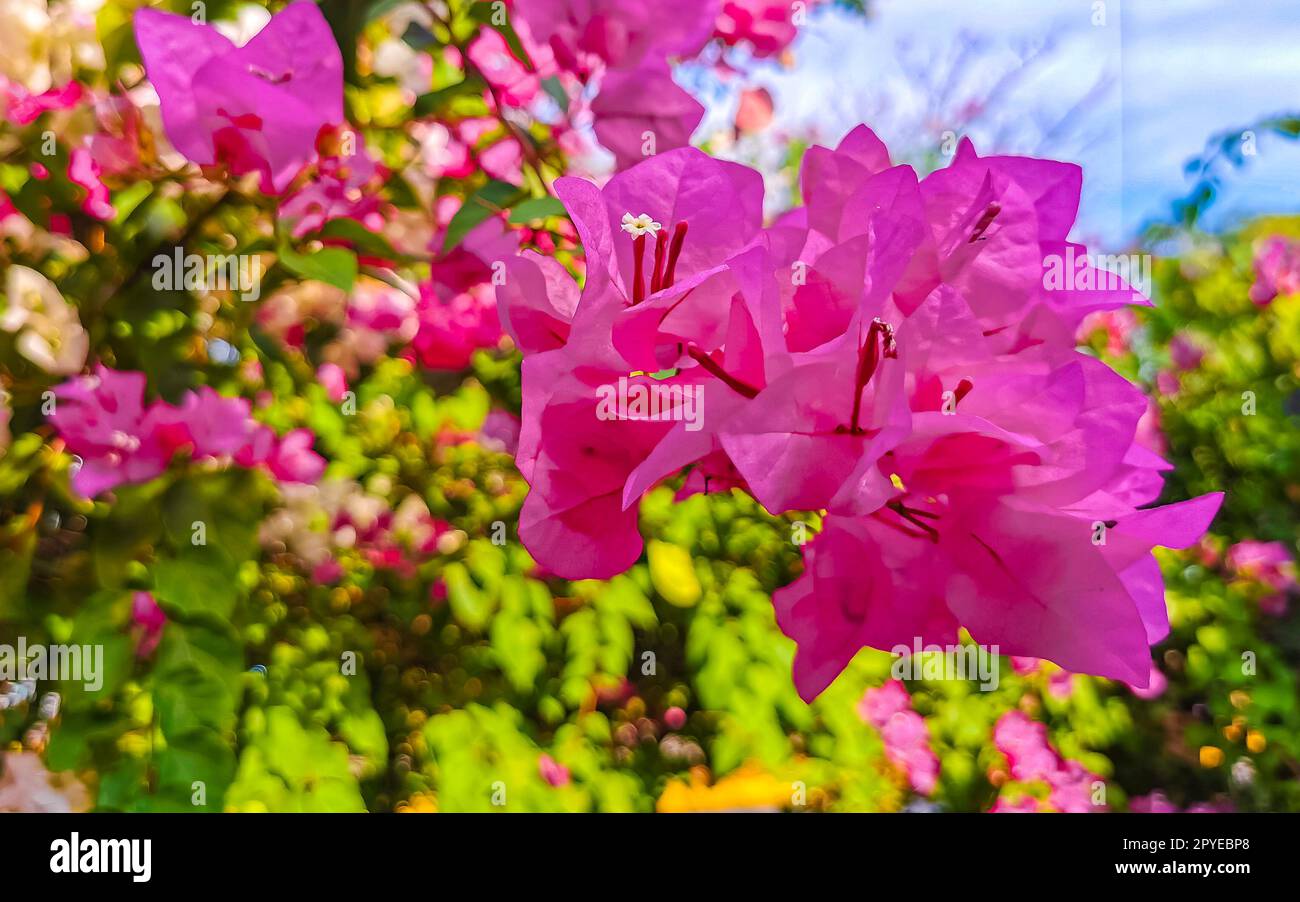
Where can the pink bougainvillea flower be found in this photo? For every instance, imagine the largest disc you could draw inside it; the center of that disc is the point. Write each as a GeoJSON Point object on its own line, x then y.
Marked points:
{"type": "Point", "coordinates": [473, 262]}
{"type": "Point", "coordinates": [1117, 326]}
{"type": "Point", "coordinates": [552, 771]}
{"type": "Point", "coordinates": [651, 304]}
{"type": "Point", "coordinates": [1000, 227]}
{"type": "Point", "coordinates": [642, 111]}
{"type": "Point", "coordinates": [862, 237]}
{"type": "Point", "coordinates": [1156, 685]}
{"type": "Point", "coordinates": [481, 142]}
{"type": "Point", "coordinates": [457, 308]}
{"type": "Point", "coordinates": [343, 187]}
{"type": "Point", "coordinates": [148, 618]}
{"type": "Point", "coordinates": [1277, 269]}
{"type": "Point", "coordinates": [767, 26]}
{"type": "Point", "coordinates": [587, 462]}
{"type": "Point", "coordinates": [500, 431]}
{"type": "Point", "coordinates": [573, 520]}
{"type": "Point", "coordinates": [957, 541]}
{"type": "Point", "coordinates": [585, 34]}
{"type": "Point", "coordinates": [103, 419]}
{"type": "Point", "coordinates": [1270, 563]}
{"type": "Point", "coordinates": [381, 313]}
{"type": "Point", "coordinates": [451, 330]}
{"type": "Point", "coordinates": [536, 302]}
{"type": "Point", "coordinates": [662, 230]}
{"type": "Point", "coordinates": [256, 108]}
{"type": "Point", "coordinates": [293, 459]}
{"type": "Point", "coordinates": [890, 353]}
{"type": "Point", "coordinates": [335, 381]}
{"type": "Point", "coordinates": [888, 708]}
{"type": "Point", "coordinates": [211, 424]}
{"type": "Point", "coordinates": [23, 108]}
{"type": "Point", "coordinates": [1032, 759]}
{"type": "Point", "coordinates": [843, 407]}
{"type": "Point", "coordinates": [122, 141]}
{"type": "Point", "coordinates": [84, 172]}
{"type": "Point", "coordinates": [1184, 352]}
{"type": "Point", "coordinates": [512, 83]}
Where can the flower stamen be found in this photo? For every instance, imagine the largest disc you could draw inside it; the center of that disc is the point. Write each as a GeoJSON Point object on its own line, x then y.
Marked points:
{"type": "Point", "coordinates": [868, 359]}
{"type": "Point", "coordinates": [986, 219]}
{"type": "Point", "coordinates": [712, 367]}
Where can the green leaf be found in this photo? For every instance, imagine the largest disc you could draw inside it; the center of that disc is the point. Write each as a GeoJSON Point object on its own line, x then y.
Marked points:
{"type": "Point", "coordinates": [470, 605]}
{"type": "Point", "coordinates": [536, 208]}
{"type": "Point", "coordinates": [438, 102]}
{"type": "Point", "coordinates": [333, 265]}
{"type": "Point", "coordinates": [201, 581]}
{"type": "Point", "coordinates": [555, 89]}
{"type": "Point", "coordinates": [490, 199]}
{"type": "Point", "coordinates": [15, 566]}
{"type": "Point", "coordinates": [365, 241]}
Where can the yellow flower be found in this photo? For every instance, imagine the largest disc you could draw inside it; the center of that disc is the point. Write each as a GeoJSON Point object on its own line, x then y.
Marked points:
{"type": "Point", "coordinates": [748, 788]}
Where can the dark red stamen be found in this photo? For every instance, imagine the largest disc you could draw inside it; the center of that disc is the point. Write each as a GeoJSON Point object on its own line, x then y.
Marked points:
{"type": "Point", "coordinates": [868, 359]}
{"type": "Point", "coordinates": [661, 245]}
{"type": "Point", "coordinates": [711, 366]}
{"type": "Point", "coordinates": [962, 390]}
{"type": "Point", "coordinates": [911, 515]}
{"type": "Point", "coordinates": [986, 219]}
{"type": "Point", "coordinates": [679, 236]}
{"type": "Point", "coordinates": [897, 527]}
{"type": "Point", "coordinates": [638, 271]}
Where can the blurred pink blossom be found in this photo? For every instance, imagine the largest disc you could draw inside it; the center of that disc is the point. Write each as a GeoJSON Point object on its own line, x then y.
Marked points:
{"type": "Point", "coordinates": [1277, 269]}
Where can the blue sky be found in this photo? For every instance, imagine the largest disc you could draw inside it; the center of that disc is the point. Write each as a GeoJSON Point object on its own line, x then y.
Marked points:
{"type": "Point", "coordinates": [1131, 98]}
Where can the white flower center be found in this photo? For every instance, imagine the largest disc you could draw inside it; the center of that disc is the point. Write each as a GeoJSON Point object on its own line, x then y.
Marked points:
{"type": "Point", "coordinates": [636, 226]}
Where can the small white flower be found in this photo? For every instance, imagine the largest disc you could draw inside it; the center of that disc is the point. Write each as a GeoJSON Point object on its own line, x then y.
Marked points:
{"type": "Point", "coordinates": [49, 333]}
{"type": "Point", "coordinates": [636, 226]}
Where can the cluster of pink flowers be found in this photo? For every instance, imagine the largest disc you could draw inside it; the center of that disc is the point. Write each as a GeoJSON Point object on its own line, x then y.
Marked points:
{"type": "Point", "coordinates": [888, 708]}
{"type": "Point", "coordinates": [1271, 565]}
{"type": "Point", "coordinates": [1031, 759]}
{"type": "Point", "coordinates": [104, 420]}
{"type": "Point", "coordinates": [766, 27]}
{"type": "Point", "coordinates": [1277, 269]}
{"type": "Point", "coordinates": [888, 353]}
{"type": "Point", "coordinates": [624, 48]}
{"type": "Point", "coordinates": [22, 108]}
{"type": "Point", "coordinates": [457, 307]}
{"type": "Point", "coordinates": [356, 522]}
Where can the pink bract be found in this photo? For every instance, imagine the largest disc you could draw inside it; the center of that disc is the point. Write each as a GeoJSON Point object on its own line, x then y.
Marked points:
{"type": "Point", "coordinates": [256, 108]}
{"type": "Point", "coordinates": [891, 353]}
